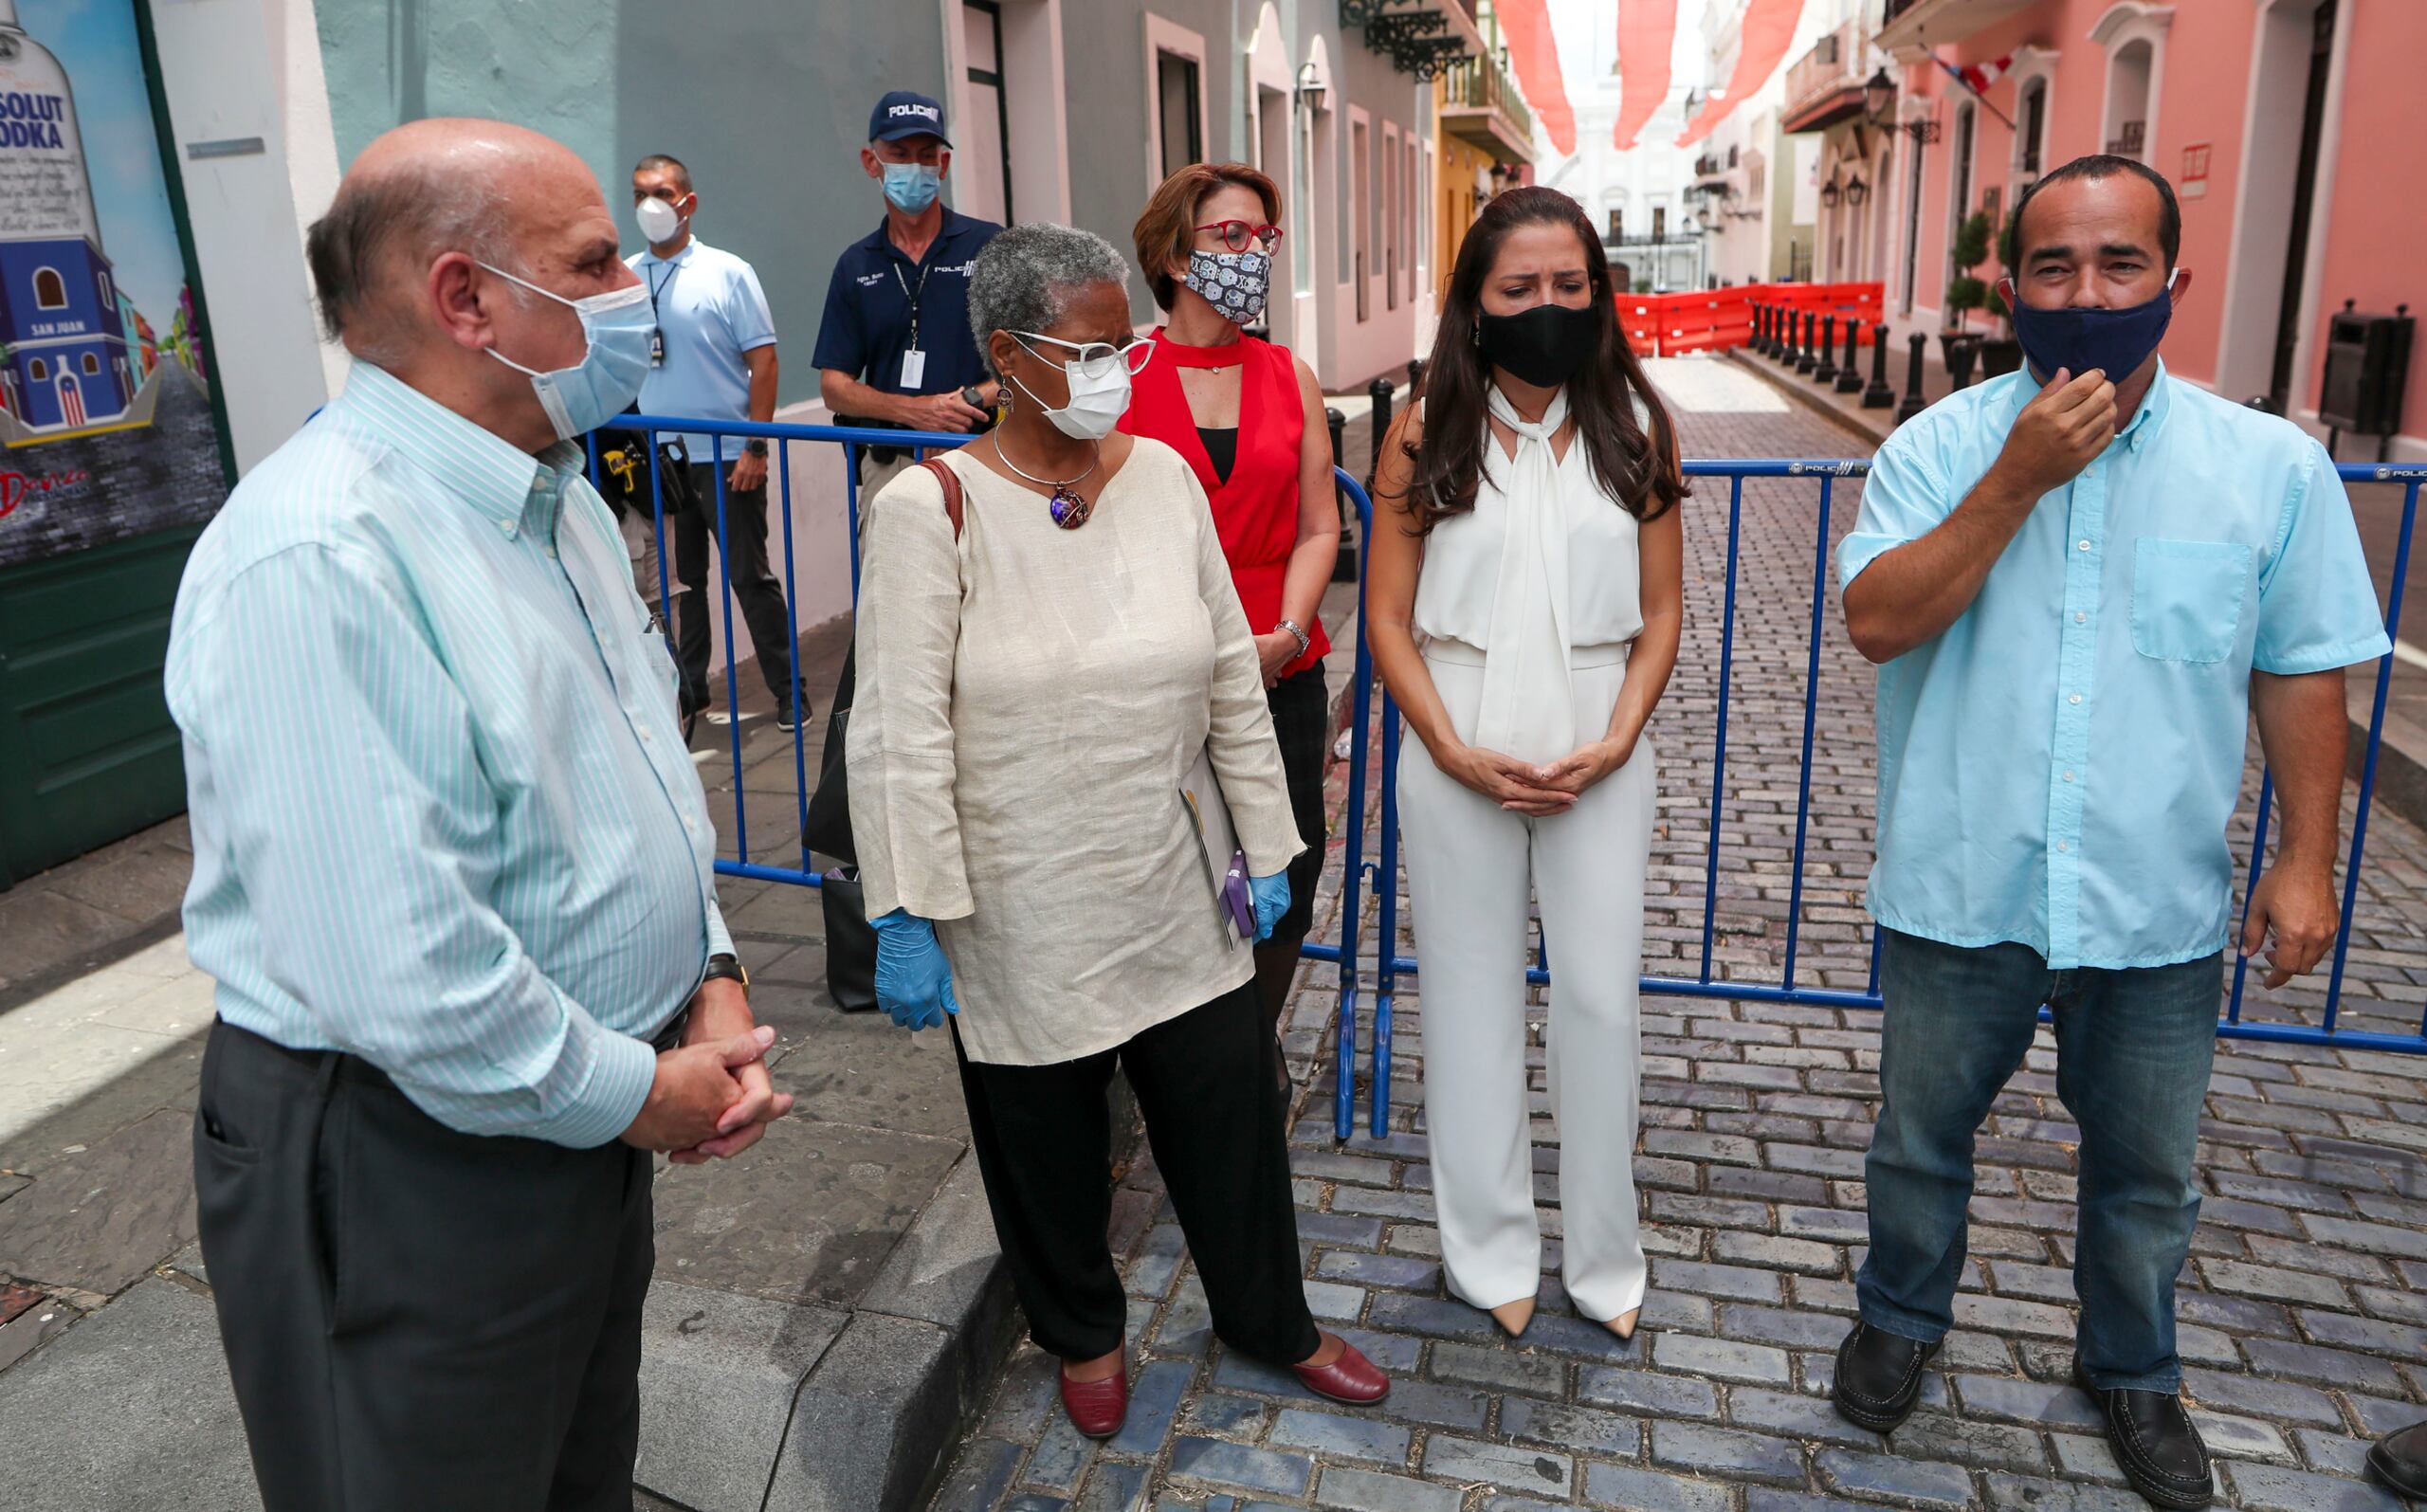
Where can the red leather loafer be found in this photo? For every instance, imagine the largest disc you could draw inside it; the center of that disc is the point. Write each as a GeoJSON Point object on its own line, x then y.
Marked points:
{"type": "Point", "coordinates": [1098, 1408]}
{"type": "Point", "coordinates": [1350, 1378]}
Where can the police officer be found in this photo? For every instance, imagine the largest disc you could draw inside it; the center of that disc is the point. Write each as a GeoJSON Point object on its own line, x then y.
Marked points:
{"type": "Point", "coordinates": [894, 349]}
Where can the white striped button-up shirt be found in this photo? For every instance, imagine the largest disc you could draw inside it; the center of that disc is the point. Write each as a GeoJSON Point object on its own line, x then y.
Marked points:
{"type": "Point", "coordinates": [444, 817]}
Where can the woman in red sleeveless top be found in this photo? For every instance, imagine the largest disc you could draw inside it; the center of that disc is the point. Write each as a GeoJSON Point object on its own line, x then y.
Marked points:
{"type": "Point", "coordinates": [1249, 418]}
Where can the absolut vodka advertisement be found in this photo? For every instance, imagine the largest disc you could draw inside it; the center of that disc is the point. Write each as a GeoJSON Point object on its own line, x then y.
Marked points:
{"type": "Point", "coordinates": [105, 417]}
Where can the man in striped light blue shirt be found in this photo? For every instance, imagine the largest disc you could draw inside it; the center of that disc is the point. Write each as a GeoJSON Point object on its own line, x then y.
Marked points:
{"type": "Point", "coordinates": [2080, 582]}
{"type": "Point", "coordinates": [453, 870]}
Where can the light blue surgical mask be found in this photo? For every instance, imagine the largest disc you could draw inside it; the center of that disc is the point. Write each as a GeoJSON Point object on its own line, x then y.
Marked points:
{"type": "Point", "coordinates": [912, 186]}
{"type": "Point", "coordinates": [604, 383]}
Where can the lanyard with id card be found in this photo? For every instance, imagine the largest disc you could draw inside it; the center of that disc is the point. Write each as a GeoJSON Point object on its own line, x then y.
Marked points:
{"type": "Point", "coordinates": [657, 325]}
{"type": "Point", "coordinates": [914, 361]}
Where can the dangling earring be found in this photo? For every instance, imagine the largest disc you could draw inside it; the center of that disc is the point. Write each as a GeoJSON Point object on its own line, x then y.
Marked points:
{"type": "Point", "coordinates": [1474, 334]}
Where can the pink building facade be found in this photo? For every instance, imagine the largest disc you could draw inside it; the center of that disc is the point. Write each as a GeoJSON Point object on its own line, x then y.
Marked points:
{"type": "Point", "coordinates": [2294, 131]}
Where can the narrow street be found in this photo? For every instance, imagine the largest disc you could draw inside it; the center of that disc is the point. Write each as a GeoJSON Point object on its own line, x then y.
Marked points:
{"type": "Point", "coordinates": [2300, 1314]}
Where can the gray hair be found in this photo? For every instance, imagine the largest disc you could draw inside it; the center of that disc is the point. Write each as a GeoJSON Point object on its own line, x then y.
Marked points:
{"type": "Point", "coordinates": [1024, 278]}
{"type": "Point", "coordinates": [397, 220]}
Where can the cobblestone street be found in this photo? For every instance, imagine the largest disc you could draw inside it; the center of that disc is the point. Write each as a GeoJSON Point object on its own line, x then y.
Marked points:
{"type": "Point", "coordinates": [2304, 1309]}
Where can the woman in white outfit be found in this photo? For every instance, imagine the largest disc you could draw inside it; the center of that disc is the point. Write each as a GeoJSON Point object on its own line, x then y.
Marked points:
{"type": "Point", "coordinates": [1524, 612]}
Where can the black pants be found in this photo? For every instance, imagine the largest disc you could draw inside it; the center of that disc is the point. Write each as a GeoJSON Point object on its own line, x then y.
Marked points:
{"type": "Point", "coordinates": [754, 585]}
{"type": "Point", "coordinates": [416, 1318]}
{"type": "Point", "coordinates": [1215, 1117]}
{"type": "Point", "coordinates": [1301, 725]}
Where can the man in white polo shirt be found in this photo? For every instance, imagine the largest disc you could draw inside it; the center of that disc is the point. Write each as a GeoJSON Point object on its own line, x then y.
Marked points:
{"type": "Point", "coordinates": [715, 359]}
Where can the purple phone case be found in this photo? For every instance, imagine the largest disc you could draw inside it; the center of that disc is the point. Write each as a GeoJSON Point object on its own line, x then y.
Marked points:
{"type": "Point", "coordinates": [1237, 900]}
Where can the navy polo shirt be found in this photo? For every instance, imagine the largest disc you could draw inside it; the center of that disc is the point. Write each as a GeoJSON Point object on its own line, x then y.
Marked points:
{"type": "Point", "coordinates": [867, 321]}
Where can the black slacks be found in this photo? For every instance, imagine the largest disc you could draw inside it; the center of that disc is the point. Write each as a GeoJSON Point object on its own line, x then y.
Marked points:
{"type": "Point", "coordinates": [754, 585]}
{"type": "Point", "coordinates": [416, 1318]}
{"type": "Point", "coordinates": [1217, 1122]}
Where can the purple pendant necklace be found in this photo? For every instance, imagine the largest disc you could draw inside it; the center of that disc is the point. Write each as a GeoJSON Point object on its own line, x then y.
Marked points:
{"type": "Point", "coordinates": [1068, 509]}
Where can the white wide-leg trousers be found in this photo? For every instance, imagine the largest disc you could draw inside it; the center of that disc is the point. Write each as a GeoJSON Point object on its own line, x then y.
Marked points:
{"type": "Point", "coordinates": [1469, 864]}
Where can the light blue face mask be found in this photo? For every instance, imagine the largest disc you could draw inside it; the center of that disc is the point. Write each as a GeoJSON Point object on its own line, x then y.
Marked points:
{"type": "Point", "coordinates": [912, 186]}
{"type": "Point", "coordinates": [605, 382]}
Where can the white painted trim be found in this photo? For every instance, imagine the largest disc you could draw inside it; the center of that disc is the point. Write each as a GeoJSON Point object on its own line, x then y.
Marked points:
{"type": "Point", "coordinates": [2123, 24]}
{"type": "Point", "coordinates": [1269, 54]}
{"type": "Point", "coordinates": [2031, 62]}
{"type": "Point", "coordinates": [2253, 267]}
{"type": "Point", "coordinates": [1037, 98]}
{"type": "Point", "coordinates": [1164, 36]}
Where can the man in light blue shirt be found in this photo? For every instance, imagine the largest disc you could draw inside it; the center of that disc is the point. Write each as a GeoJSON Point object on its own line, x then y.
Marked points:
{"type": "Point", "coordinates": [2079, 582]}
{"type": "Point", "coordinates": [714, 358]}
{"type": "Point", "coordinates": [452, 868]}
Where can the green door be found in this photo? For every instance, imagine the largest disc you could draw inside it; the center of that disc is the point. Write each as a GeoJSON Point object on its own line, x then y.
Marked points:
{"type": "Point", "coordinates": [84, 735]}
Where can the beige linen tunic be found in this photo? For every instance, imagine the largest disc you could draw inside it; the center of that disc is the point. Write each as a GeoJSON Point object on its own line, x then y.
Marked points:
{"type": "Point", "coordinates": [1029, 700]}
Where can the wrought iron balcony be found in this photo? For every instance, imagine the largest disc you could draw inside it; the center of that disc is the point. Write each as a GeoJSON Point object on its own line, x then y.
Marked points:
{"type": "Point", "coordinates": [1480, 104]}
{"type": "Point", "coordinates": [1825, 84]}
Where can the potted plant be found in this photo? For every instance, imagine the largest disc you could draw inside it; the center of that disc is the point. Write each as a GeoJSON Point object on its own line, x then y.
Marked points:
{"type": "Point", "coordinates": [2001, 353]}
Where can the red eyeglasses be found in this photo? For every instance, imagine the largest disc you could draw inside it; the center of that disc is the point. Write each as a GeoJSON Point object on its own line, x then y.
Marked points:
{"type": "Point", "coordinates": [1236, 234]}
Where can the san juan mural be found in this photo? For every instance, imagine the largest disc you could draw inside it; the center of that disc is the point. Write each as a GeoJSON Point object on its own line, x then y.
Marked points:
{"type": "Point", "coordinates": [106, 428]}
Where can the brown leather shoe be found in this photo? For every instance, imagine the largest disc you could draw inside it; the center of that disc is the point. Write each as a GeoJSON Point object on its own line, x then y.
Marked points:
{"type": "Point", "coordinates": [1350, 1378]}
{"type": "Point", "coordinates": [1097, 1409]}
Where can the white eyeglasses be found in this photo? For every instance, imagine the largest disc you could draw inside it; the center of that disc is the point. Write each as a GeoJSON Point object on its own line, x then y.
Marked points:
{"type": "Point", "coordinates": [1095, 359]}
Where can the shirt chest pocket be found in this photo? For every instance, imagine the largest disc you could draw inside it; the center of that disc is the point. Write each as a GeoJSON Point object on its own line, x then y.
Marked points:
{"type": "Point", "coordinates": [2187, 597]}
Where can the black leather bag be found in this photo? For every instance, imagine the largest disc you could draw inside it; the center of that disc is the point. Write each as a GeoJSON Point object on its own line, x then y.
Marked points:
{"type": "Point", "coordinates": [850, 942]}
{"type": "Point", "coordinates": [829, 828]}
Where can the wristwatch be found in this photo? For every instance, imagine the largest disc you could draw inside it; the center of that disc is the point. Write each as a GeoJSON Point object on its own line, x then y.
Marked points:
{"type": "Point", "coordinates": [975, 397]}
{"type": "Point", "coordinates": [725, 966]}
{"type": "Point", "coordinates": [1297, 632]}
{"type": "Point", "coordinates": [757, 446]}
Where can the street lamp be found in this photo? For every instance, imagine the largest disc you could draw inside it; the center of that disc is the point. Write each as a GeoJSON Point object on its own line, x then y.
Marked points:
{"type": "Point", "coordinates": [1310, 87]}
{"type": "Point", "coordinates": [1830, 194]}
{"type": "Point", "coordinates": [1857, 191]}
{"type": "Point", "coordinates": [1878, 94]}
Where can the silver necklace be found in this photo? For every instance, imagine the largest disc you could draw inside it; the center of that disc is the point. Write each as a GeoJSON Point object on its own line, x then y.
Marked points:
{"type": "Point", "coordinates": [1068, 509]}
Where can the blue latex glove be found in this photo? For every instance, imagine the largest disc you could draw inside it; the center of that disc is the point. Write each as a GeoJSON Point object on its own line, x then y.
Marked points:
{"type": "Point", "coordinates": [913, 980]}
{"type": "Point", "coordinates": [1271, 895]}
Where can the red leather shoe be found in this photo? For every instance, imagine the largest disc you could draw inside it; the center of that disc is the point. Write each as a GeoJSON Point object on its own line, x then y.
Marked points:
{"type": "Point", "coordinates": [1097, 1409]}
{"type": "Point", "coordinates": [1350, 1378]}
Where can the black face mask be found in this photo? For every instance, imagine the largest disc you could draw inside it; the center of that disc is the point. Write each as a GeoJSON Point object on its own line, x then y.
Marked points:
{"type": "Point", "coordinates": [1542, 345]}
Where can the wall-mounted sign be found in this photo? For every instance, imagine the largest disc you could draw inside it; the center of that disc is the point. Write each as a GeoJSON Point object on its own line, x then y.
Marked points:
{"type": "Point", "coordinates": [2194, 182]}
{"type": "Point", "coordinates": [101, 364]}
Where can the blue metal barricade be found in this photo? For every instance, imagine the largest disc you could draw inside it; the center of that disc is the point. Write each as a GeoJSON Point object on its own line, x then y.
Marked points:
{"type": "Point", "coordinates": [1381, 875]}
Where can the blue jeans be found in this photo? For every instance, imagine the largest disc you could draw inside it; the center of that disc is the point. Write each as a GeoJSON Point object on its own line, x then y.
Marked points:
{"type": "Point", "coordinates": [2133, 1049]}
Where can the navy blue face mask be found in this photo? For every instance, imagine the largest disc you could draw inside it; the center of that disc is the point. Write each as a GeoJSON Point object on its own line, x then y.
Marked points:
{"type": "Point", "coordinates": [2116, 342]}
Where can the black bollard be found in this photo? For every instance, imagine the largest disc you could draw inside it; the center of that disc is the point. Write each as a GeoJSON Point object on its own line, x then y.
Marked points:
{"type": "Point", "coordinates": [1414, 374]}
{"type": "Point", "coordinates": [1761, 341]}
{"type": "Point", "coordinates": [1379, 391]}
{"type": "Point", "coordinates": [1807, 357]}
{"type": "Point", "coordinates": [1769, 330]}
{"type": "Point", "coordinates": [1850, 372]}
{"type": "Point", "coordinates": [1913, 405]}
{"type": "Point", "coordinates": [1343, 566]}
{"type": "Point", "coordinates": [1782, 351]}
{"type": "Point", "coordinates": [1878, 396]}
{"type": "Point", "coordinates": [1961, 354]}
{"type": "Point", "coordinates": [1825, 370]}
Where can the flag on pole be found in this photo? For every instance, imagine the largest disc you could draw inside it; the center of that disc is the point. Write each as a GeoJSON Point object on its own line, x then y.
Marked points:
{"type": "Point", "coordinates": [1977, 76]}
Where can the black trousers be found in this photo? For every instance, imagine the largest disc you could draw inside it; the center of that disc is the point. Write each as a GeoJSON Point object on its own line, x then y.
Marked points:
{"type": "Point", "coordinates": [754, 585]}
{"type": "Point", "coordinates": [416, 1318]}
{"type": "Point", "coordinates": [1215, 1119]}
{"type": "Point", "coordinates": [1300, 706]}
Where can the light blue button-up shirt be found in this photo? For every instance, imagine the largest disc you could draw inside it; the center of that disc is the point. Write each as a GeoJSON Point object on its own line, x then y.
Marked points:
{"type": "Point", "coordinates": [443, 814]}
{"type": "Point", "coordinates": [710, 312]}
{"type": "Point", "coordinates": [2057, 769]}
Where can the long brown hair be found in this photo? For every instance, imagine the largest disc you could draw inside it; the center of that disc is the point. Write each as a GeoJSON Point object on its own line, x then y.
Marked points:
{"type": "Point", "coordinates": [1639, 470]}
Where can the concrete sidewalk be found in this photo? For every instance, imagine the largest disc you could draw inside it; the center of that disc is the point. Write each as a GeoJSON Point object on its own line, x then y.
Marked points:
{"type": "Point", "coordinates": [825, 1306]}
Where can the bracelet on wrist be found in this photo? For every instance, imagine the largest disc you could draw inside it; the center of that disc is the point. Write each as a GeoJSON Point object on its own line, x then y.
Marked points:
{"type": "Point", "coordinates": [1298, 633]}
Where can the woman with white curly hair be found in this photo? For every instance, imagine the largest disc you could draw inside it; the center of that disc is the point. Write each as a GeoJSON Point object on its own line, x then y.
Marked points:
{"type": "Point", "coordinates": [1052, 663]}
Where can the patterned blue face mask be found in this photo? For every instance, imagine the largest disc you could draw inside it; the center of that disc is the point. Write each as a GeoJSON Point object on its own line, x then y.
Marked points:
{"type": "Point", "coordinates": [1234, 282]}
